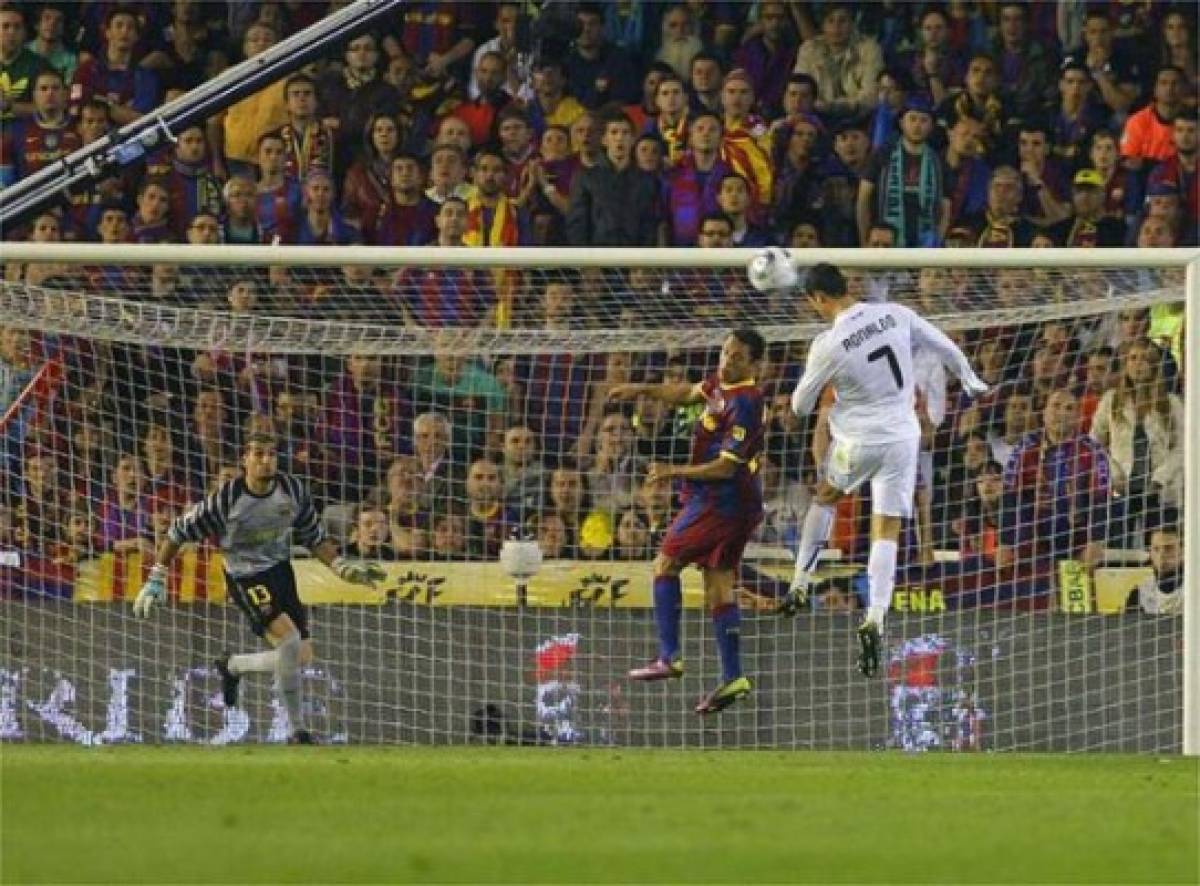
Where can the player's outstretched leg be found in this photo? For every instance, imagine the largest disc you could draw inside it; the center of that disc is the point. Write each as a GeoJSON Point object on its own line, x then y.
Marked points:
{"type": "Point", "coordinates": [727, 628]}
{"type": "Point", "coordinates": [233, 667]}
{"type": "Point", "coordinates": [817, 523]}
{"type": "Point", "coordinates": [668, 606]}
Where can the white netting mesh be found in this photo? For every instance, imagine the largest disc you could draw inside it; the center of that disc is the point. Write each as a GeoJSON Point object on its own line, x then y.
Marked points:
{"type": "Point", "coordinates": [422, 310]}
{"type": "Point", "coordinates": [429, 438]}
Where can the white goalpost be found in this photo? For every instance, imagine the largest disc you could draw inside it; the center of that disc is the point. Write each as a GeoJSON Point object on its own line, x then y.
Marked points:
{"type": "Point", "coordinates": [443, 402]}
{"type": "Point", "coordinates": [1191, 543]}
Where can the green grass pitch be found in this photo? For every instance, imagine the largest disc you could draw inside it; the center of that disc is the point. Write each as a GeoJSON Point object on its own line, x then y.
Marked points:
{"type": "Point", "coordinates": [250, 815]}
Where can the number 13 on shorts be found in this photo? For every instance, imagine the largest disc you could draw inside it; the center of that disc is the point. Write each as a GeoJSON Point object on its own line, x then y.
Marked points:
{"type": "Point", "coordinates": [260, 596]}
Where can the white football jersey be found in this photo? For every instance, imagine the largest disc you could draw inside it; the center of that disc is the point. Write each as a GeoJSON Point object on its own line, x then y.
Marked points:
{"type": "Point", "coordinates": [867, 356]}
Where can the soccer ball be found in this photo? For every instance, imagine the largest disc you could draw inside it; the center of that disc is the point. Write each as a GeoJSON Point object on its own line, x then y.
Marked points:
{"type": "Point", "coordinates": [771, 269]}
{"type": "Point", "coordinates": [520, 559]}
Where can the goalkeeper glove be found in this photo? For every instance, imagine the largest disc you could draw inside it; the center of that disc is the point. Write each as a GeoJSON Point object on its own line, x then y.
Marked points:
{"type": "Point", "coordinates": [358, 573]}
{"type": "Point", "coordinates": [153, 591]}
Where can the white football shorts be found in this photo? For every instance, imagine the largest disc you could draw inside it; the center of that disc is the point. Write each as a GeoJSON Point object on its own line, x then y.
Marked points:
{"type": "Point", "coordinates": [891, 468]}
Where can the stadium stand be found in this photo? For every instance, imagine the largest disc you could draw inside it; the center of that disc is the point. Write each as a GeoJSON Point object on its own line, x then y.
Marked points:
{"type": "Point", "coordinates": [697, 124]}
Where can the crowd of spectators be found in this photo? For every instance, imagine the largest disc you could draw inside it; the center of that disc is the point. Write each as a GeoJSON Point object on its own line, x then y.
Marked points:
{"type": "Point", "coordinates": [699, 124]}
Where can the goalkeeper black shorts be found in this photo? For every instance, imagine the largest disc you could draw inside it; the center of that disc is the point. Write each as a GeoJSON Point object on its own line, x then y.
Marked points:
{"type": "Point", "coordinates": [264, 596]}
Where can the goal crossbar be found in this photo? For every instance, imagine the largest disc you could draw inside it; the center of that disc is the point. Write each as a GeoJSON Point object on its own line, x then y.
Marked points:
{"type": "Point", "coordinates": [575, 257]}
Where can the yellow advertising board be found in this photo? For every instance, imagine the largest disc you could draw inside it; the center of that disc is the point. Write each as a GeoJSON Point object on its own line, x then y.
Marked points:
{"type": "Point", "coordinates": [1114, 585]}
{"type": "Point", "coordinates": [1074, 587]}
{"type": "Point", "coordinates": [197, 576]}
{"type": "Point", "coordinates": [559, 583]}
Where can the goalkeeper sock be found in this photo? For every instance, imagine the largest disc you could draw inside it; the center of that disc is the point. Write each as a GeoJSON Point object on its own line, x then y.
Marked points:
{"type": "Point", "coordinates": [253, 663]}
{"type": "Point", "coordinates": [727, 624]}
{"type": "Point", "coordinates": [668, 602]}
{"type": "Point", "coordinates": [817, 523]}
{"type": "Point", "coordinates": [287, 675]}
{"type": "Point", "coordinates": [881, 578]}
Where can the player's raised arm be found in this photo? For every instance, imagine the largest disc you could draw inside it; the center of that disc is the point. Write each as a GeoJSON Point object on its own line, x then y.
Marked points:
{"type": "Point", "coordinates": [671, 393]}
{"type": "Point", "coordinates": [926, 335]}
{"type": "Point", "coordinates": [818, 370]}
{"type": "Point", "coordinates": [309, 533]}
{"type": "Point", "coordinates": [356, 572]}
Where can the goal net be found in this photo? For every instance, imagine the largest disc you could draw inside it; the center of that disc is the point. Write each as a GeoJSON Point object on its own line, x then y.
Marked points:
{"type": "Point", "coordinates": [442, 402]}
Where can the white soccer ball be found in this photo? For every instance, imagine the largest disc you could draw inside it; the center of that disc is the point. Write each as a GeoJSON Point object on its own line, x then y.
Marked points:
{"type": "Point", "coordinates": [771, 269]}
{"type": "Point", "coordinates": [520, 559]}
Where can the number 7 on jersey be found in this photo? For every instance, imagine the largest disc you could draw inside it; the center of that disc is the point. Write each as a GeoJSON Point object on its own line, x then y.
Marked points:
{"type": "Point", "coordinates": [886, 351]}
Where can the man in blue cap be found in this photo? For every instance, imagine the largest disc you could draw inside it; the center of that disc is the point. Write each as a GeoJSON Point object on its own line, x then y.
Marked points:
{"type": "Point", "coordinates": [1164, 201]}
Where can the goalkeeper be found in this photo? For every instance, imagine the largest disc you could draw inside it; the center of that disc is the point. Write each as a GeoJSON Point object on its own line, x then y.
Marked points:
{"type": "Point", "coordinates": [253, 517]}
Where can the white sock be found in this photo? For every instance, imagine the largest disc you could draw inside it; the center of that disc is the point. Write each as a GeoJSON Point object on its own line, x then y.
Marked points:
{"type": "Point", "coordinates": [287, 678]}
{"type": "Point", "coordinates": [881, 579]}
{"type": "Point", "coordinates": [253, 663]}
{"type": "Point", "coordinates": [817, 523]}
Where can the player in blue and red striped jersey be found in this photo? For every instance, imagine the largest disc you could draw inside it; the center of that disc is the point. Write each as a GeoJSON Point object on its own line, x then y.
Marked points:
{"type": "Point", "coordinates": [722, 506]}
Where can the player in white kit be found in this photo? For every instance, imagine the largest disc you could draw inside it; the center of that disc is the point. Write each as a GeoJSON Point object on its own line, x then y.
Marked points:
{"type": "Point", "coordinates": [867, 357]}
